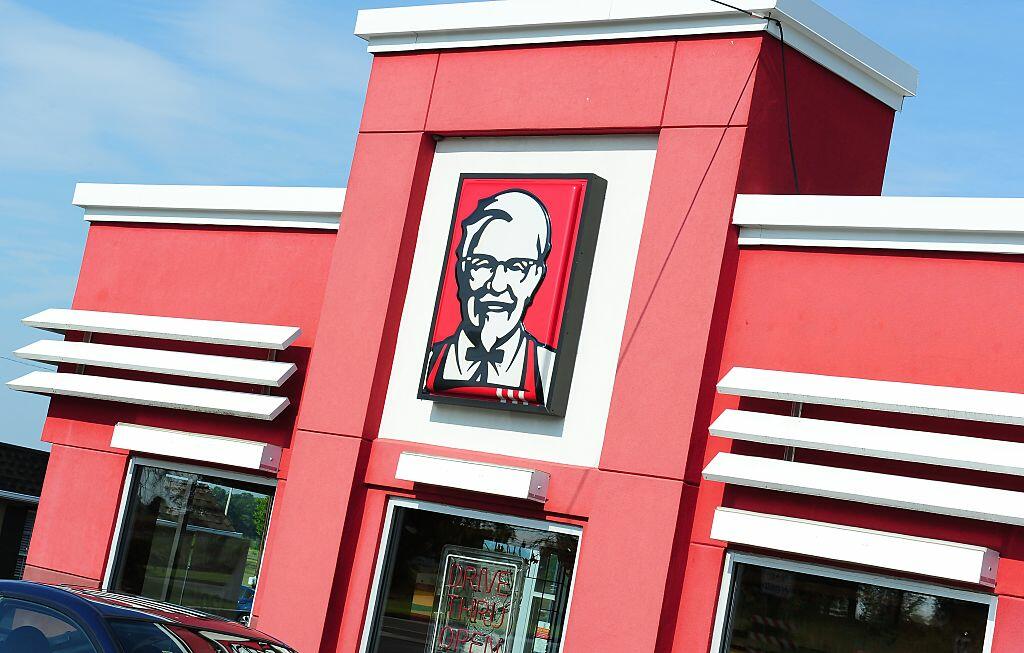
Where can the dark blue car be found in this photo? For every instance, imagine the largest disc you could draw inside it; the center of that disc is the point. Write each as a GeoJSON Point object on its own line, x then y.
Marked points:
{"type": "Point", "coordinates": [37, 618]}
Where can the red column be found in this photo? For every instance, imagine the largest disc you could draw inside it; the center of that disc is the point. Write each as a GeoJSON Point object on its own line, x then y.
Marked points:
{"type": "Point", "coordinates": [348, 372]}
{"type": "Point", "coordinates": [1009, 629]}
{"type": "Point", "coordinates": [304, 541]}
{"type": "Point", "coordinates": [77, 512]}
{"type": "Point", "coordinates": [624, 564]}
{"type": "Point", "coordinates": [352, 359]}
{"type": "Point", "coordinates": [677, 282]}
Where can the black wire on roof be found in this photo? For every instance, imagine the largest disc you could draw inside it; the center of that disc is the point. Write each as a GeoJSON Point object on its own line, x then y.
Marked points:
{"type": "Point", "coordinates": [785, 84]}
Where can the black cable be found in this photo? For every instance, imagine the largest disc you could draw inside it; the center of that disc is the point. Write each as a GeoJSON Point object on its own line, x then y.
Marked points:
{"type": "Point", "coordinates": [742, 11]}
{"type": "Point", "coordinates": [785, 85]}
{"type": "Point", "coordinates": [21, 362]}
{"type": "Point", "coordinates": [789, 117]}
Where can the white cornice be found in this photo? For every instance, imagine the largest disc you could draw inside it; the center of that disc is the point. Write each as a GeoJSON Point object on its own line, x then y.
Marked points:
{"type": "Point", "coordinates": [235, 334]}
{"type": "Point", "coordinates": [250, 206]}
{"type": "Point", "coordinates": [954, 561]}
{"type": "Point", "coordinates": [808, 28]}
{"type": "Point", "coordinates": [199, 447]}
{"type": "Point", "coordinates": [956, 224]}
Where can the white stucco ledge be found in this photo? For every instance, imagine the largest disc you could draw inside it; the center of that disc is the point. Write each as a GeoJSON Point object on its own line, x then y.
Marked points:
{"type": "Point", "coordinates": [512, 482]}
{"type": "Point", "coordinates": [868, 394]}
{"type": "Point", "coordinates": [245, 206]}
{"type": "Point", "coordinates": [807, 27]}
{"type": "Point", "coordinates": [236, 334]}
{"type": "Point", "coordinates": [197, 447]}
{"type": "Point", "coordinates": [953, 561]}
{"type": "Point", "coordinates": [951, 224]}
{"type": "Point", "coordinates": [160, 395]}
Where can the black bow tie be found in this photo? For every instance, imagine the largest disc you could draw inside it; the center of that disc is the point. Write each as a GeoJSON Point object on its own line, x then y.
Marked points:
{"type": "Point", "coordinates": [481, 355]}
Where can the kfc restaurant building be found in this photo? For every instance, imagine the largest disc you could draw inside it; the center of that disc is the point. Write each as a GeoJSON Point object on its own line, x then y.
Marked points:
{"type": "Point", "coordinates": [614, 347]}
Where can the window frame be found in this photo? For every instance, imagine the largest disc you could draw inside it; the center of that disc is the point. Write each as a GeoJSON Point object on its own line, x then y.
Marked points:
{"type": "Point", "coordinates": [733, 558]}
{"type": "Point", "coordinates": [387, 535]}
{"type": "Point", "coordinates": [117, 539]}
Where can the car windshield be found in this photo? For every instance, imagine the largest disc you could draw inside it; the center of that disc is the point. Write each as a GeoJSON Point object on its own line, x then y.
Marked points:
{"type": "Point", "coordinates": [143, 637]}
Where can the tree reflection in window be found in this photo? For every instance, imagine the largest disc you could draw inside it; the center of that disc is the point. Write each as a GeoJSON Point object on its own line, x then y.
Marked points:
{"type": "Point", "coordinates": [410, 594]}
{"type": "Point", "coordinates": [774, 610]}
{"type": "Point", "coordinates": [194, 540]}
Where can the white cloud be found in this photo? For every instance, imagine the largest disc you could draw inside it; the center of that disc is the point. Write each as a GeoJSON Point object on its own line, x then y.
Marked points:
{"type": "Point", "coordinates": [271, 44]}
{"type": "Point", "coordinates": [66, 94]}
{"type": "Point", "coordinates": [236, 91]}
{"type": "Point", "coordinates": [190, 91]}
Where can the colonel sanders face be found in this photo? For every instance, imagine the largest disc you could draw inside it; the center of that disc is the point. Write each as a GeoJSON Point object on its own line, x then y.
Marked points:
{"type": "Point", "coordinates": [502, 262]}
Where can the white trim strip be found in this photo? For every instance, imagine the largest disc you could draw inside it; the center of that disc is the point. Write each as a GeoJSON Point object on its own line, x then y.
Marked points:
{"type": "Point", "coordinates": [891, 396]}
{"type": "Point", "coordinates": [199, 447]}
{"type": "Point", "coordinates": [328, 222]}
{"type": "Point", "coordinates": [259, 199]}
{"type": "Point", "coordinates": [203, 400]}
{"type": "Point", "coordinates": [987, 225]}
{"type": "Point", "coordinates": [953, 561]}
{"type": "Point", "coordinates": [248, 206]}
{"type": "Point", "coordinates": [925, 447]}
{"type": "Point", "coordinates": [924, 241]}
{"type": "Point", "coordinates": [513, 482]}
{"type": "Point", "coordinates": [240, 334]}
{"type": "Point", "coordinates": [159, 361]}
{"type": "Point", "coordinates": [936, 497]}
{"type": "Point", "coordinates": [809, 29]}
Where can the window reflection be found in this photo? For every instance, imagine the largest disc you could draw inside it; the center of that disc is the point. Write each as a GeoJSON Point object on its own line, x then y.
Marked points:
{"type": "Point", "coordinates": [774, 610]}
{"type": "Point", "coordinates": [410, 616]}
{"type": "Point", "coordinates": [193, 540]}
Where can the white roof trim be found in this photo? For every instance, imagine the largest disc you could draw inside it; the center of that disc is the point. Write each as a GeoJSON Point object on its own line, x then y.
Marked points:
{"type": "Point", "coordinates": [891, 396]}
{"type": "Point", "coordinates": [924, 447]}
{"type": "Point", "coordinates": [254, 206]}
{"type": "Point", "coordinates": [161, 395]}
{"type": "Point", "coordinates": [935, 497]}
{"type": "Point", "coordinates": [159, 361]}
{"type": "Point", "coordinates": [808, 28]}
{"type": "Point", "coordinates": [240, 334]}
{"type": "Point", "coordinates": [953, 561]}
{"type": "Point", "coordinates": [954, 224]}
{"type": "Point", "coordinates": [512, 482]}
{"type": "Point", "coordinates": [215, 449]}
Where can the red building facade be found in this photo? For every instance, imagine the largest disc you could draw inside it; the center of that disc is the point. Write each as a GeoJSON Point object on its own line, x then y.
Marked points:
{"type": "Point", "coordinates": [700, 491]}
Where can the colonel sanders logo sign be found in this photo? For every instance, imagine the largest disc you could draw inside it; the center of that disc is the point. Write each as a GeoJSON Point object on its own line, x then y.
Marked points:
{"type": "Point", "coordinates": [512, 293]}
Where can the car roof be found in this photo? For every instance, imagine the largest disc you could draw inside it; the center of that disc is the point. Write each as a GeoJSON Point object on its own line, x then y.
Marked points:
{"type": "Point", "coordinates": [120, 606]}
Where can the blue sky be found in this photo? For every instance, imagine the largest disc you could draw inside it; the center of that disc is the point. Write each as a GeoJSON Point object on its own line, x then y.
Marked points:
{"type": "Point", "coordinates": [270, 92]}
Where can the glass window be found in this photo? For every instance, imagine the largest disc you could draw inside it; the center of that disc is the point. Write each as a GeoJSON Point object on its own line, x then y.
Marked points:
{"type": "Point", "coordinates": [26, 626]}
{"type": "Point", "coordinates": [143, 637]}
{"type": "Point", "coordinates": [456, 583]}
{"type": "Point", "coordinates": [193, 540]}
{"type": "Point", "coordinates": [778, 610]}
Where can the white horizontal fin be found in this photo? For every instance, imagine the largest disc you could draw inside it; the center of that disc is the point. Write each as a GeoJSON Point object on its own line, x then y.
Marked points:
{"type": "Point", "coordinates": [161, 395]}
{"type": "Point", "coordinates": [159, 361]}
{"type": "Point", "coordinates": [241, 334]}
{"type": "Point", "coordinates": [924, 447]}
{"type": "Point", "coordinates": [936, 497]}
{"type": "Point", "coordinates": [891, 396]}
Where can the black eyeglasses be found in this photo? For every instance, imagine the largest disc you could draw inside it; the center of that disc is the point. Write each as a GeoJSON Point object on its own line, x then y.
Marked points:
{"type": "Point", "coordinates": [487, 266]}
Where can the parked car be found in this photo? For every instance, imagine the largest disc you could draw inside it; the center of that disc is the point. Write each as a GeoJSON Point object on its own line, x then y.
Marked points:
{"type": "Point", "coordinates": [37, 618]}
{"type": "Point", "coordinates": [246, 596]}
